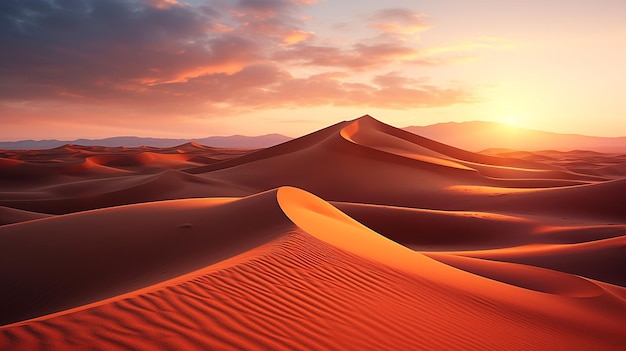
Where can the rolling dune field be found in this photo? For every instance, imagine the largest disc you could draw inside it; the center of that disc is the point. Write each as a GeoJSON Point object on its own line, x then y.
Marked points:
{"type": "Point", "coordinates": [359, 236]}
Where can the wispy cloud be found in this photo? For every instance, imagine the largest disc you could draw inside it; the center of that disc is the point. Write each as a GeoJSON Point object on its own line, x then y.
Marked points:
{"type": "Point", "coordinates": [267, 86]}
{"type": "Point", "coordinates": [360, 56]}
{"type": "Point", "coordinates": [399, 21]}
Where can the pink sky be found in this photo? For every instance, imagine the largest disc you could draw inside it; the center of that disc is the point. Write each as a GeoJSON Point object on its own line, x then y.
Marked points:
{"type": "Point", "coordinates": [164, 68]}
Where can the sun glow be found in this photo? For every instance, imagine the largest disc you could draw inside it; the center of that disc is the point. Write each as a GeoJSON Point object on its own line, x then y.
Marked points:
{"type": "Point", "coordinates": [512, 120]}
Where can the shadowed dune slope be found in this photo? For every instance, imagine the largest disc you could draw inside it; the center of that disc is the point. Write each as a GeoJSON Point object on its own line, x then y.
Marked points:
{"type": "Point", "coordinates": [601, 259]}
{"type": "Point", "coordinates": [593, 251]}
{"type": "Point", "coordinates": [598, 201]}
{"type": "Point", "coordinates": [84, 257]}
{"type": "Point", "coordinates": [528, 277]}
{"type": "Point", "coordinates": [300, 275]}
{"type": "Point", "coordinates": [426, 230]}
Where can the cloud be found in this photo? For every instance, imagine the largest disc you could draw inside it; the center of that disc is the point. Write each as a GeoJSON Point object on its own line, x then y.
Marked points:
{"type": "Point", "coordinates": [162, 4]}
{"type": "Point", "coordinates": [83, 47]}
{"type": "Point", "coordinates": [385, 91]}
{"type": "Point", "coordinates": [268, 86]}
{"type": "Point", "coordinates": [360, 56]}
{"type": "Point", "coordinates": [168, 56]}
{"type": "Point", "coordinates": [399, 21]}
{"type": "Point", "coordinates": [270, 21]}
{"type": "Point", "coordinates": [296, 37]}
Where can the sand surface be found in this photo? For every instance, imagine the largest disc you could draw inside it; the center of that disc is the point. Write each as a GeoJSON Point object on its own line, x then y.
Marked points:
{"type": "Point", "coordinates": [358, 236]}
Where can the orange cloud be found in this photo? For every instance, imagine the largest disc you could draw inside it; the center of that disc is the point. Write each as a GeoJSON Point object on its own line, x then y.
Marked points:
{"type": "Point", "coordinates": [267, 86]}
{"type": "Point", "coordinates": [296, 37]}
{"type": "Point", "coordinates": [162, 57]}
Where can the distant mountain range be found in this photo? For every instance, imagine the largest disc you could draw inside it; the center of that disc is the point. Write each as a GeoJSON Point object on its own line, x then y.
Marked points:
{"type": "Point", "coordinates": [234, 141]}
{"type": "Point", "coordinates": [472, 136]}
{"type": "Point", "coordinates": [479, 135]}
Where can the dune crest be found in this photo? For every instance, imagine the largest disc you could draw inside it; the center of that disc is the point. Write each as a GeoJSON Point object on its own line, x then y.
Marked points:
{"type": "Point", "coordinates": [326, 223]}
{"type": "Point", "coordinates": [367, 132]}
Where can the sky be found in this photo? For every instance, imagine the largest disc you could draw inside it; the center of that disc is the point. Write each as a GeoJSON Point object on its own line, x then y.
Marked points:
{"type": "Point", "coordinates": [191, 68]}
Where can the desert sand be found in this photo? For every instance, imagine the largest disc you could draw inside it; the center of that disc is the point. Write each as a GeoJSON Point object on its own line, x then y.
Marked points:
{"type": "Point", "coordinates": [359, 236]}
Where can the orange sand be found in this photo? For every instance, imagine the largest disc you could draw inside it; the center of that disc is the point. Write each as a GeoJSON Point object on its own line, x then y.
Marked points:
{"type": "Point", "coordinates": [411, 244]}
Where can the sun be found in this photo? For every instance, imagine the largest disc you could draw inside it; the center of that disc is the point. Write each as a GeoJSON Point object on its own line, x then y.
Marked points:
{"type": "Point", "coordinates": [512, 120]}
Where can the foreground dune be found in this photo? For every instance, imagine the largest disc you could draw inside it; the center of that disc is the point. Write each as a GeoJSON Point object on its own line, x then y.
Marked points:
{"type": "Point", "coordinates": [411, 244]}
{"type": "Point", "coordinates": [301, 276]}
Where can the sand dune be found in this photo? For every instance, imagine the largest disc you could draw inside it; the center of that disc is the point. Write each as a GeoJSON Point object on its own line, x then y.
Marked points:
{"type": "Point", "coordinates": [523, 276]}
{"type": "Point", "coordinates": [320, 274]}
{"type": "Point", "coordinates": [601, 259]}
{"type": "Point", "coordinates": [393, 159]}
{"type": "Point", "coordinates": [11, 215]}
{"type": "Point", "coordinates": [101, 193]}
{"type": "Point", "coordinates": [358, 236]}
{"type": "Point", "coordinates": [597, 201]}
{"type": "Point", "coordinates": [577, 161]}
{"type": "Point", "coordinates": [427, 230]}
{"type": "Point", "coordinates": [143, 159]}
{"type": "Point", "coordinates": [95, 263]}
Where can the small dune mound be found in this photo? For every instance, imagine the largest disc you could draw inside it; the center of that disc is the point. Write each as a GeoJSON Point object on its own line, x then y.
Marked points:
{"type": "Point", "coordinates": [142, 159]}
{"type": "Point", "coordinates": [191, 147]}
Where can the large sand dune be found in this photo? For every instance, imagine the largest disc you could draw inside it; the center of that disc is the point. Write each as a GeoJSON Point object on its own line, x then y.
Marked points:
{"type": "Point", "coordinates": [411, 244]}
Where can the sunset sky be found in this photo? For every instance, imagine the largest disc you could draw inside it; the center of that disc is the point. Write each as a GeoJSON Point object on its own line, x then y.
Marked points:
{"type": "Point", "coordinates": [191, 68]}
